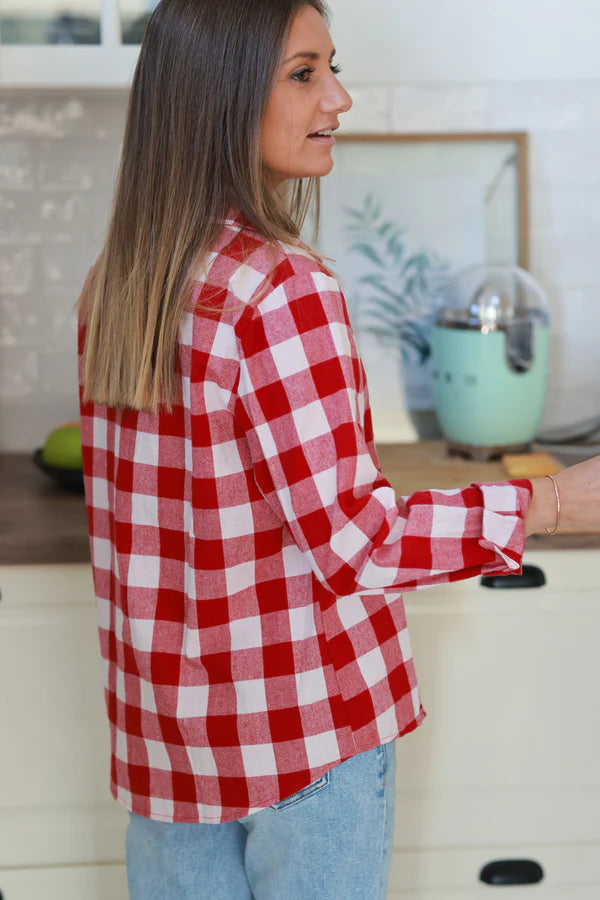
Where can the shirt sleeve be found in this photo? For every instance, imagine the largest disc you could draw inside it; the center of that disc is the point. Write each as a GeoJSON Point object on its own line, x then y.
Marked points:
{"type": "Point", "coordinates": [302, 407]}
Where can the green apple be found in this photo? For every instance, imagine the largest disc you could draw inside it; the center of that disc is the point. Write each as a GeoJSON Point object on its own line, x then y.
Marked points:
{"type": "Point", "coordinates": [63, 447]}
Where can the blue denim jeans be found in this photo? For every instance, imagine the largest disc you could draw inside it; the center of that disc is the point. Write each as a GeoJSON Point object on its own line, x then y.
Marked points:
{"type": "Point", "coordinates": [331, 840]}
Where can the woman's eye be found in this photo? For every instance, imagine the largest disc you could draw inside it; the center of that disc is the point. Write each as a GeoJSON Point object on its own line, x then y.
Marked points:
{"type": "Point", "coordinates": [303, 75]}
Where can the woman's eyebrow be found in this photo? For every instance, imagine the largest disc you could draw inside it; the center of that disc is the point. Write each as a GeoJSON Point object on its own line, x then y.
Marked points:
{"type": "Point", "coordinates": [307, 54]}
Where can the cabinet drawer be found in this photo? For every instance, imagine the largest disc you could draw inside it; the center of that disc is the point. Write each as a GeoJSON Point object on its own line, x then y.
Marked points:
{"type": "Point", "coordinates": [55, 803]}
{"type": "Point", "coordinates": [535, 892]}
{"type": "Point", "coordinates": [62, 835]}
{"type": "Point", "coordinates": [569, 871]}
{"type": "Point", "coordinates": [55, 749]}
{"type": "Point", "coordinates": [508, 680]}
{"type": "Point", "coordinates": [68, 883]}
{"type": "Point", "coordinates": [46, 586]}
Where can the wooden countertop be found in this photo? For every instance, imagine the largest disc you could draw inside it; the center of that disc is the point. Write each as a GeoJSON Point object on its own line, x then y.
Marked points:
{"type": "Point", "coordinates": [417, 467]}
{"type": "Point", "coordinates": [41, 523]}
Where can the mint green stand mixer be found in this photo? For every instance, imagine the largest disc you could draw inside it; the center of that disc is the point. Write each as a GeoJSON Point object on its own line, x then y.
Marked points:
{"type": "Point", "coordinates": [490, 357]}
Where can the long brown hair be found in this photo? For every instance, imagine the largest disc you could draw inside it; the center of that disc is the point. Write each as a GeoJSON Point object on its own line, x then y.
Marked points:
{"type": "Point", "coordinates": [191, 152]}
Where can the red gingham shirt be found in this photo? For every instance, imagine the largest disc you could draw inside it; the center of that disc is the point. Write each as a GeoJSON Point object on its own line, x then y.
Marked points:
{"type": "Point", "coordinates": [248, 555]}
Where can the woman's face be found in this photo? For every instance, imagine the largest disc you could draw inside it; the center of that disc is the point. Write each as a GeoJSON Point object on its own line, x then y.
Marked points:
{"type": "Point", "coordinates": [307, 99]}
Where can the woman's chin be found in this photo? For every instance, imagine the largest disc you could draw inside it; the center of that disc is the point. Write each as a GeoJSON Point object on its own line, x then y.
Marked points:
{"type": "Point", "coordinates": [326, 168]}
{"type": "Point", "coordinates": [315, 170]}
{"type": "Point", "coordinates": [319, 170]}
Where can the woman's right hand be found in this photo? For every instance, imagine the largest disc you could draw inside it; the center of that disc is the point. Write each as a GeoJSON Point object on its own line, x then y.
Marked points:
{"type": "Point", "coordinates": [579, 489]}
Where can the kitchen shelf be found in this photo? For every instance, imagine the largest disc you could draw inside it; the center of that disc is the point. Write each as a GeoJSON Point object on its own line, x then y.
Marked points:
{"type": "Point", "coordinates": [67, 66]}
{"type": "Point", "coordinates": [108, 65]}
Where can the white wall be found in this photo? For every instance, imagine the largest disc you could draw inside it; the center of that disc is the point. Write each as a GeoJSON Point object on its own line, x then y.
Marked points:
{"type": "Point", "coordinates": [430, 65]}
{"type": "Point", "coordinates": [467, 40]}
{"type": "Point", "coordinates": [476, 65]}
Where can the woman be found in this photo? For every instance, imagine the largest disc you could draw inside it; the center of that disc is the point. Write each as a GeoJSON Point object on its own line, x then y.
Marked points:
{"type": "Point", "coordinates": [248, 554]}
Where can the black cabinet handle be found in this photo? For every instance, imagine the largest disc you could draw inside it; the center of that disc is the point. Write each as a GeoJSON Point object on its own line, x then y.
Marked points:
{"type": "Point", "coordinates": [512, 871]}
{"type": "Point", "coordinates": [531, 577]}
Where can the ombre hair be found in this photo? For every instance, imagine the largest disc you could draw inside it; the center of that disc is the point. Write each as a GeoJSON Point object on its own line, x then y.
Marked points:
{"type": "Point", "coordinates": [191, 152]}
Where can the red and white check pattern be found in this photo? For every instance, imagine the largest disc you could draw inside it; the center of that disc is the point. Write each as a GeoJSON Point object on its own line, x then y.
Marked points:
{"type": "Point", "coordinates": [248, 554]}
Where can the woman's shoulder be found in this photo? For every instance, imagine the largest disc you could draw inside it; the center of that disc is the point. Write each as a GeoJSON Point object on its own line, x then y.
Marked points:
{"type": "Point", "coordinates": [302, 270]}
{"type": "Point", "coordinates": [299, 292]}
{"type": "Point", "coordinates": [255, 266]}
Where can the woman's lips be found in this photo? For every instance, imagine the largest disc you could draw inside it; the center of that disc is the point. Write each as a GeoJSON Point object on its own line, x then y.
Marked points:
{"type": "Point", "coordinates": [322, 139]}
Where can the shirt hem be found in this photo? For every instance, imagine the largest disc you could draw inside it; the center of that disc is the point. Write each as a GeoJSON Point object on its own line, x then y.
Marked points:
{"type": "Point", "coordinates": [217, 820]}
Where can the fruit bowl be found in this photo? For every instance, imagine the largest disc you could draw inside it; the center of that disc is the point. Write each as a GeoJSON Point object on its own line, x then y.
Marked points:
{"type": "Point", "coordinates": [71, 479]}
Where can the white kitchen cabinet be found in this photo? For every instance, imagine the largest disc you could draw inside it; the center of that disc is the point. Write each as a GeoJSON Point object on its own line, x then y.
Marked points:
{"type": "Point", "coordinates": [504, 766]}
{"type": "Point", "coordinates": [109, 64]}
{"type": "Point", "coordinates": [55, 805]}
{"type": "Point", "coordinates": [65, 883]}
{"type": "Point", "coordinates": [506, 763]}
{"type": "Point", "coordinates": [445, 874]}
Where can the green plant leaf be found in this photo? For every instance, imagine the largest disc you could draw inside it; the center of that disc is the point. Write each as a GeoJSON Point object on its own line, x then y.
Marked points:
{"type": "Point", "coordinates": [368, 251]}
{"type": "Point", "coordinates": [399, 299]}
{"type": "Point", "coordinates": [379, 306]}
{"type": "Point", "coordinates": [395, 301]}
{"type": "Point", "coordinates": [394, 244]}
{"type": "Point", "coordinates": [356, 214]}
{"type": "Point", "coordinates": [414, 335]}
{"type": "Point", "coordinates": [419, 261]}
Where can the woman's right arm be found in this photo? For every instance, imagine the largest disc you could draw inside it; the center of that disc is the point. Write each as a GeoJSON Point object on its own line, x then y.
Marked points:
{"type": "Point", "coordinates": [579, 491]}
{"type": "Point", "coordinates": [300, 400]}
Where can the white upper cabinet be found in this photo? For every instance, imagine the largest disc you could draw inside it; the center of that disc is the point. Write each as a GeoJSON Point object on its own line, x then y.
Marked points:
{"type": "Point", "coordinates": [71, 43]}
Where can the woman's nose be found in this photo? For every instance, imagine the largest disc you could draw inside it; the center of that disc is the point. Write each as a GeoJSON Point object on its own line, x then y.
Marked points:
{"type": "Point", "coordinates": [336, 98]}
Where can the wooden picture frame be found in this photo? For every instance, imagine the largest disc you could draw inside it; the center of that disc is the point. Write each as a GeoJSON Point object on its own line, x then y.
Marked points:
{"type": "Point", "coordinates": [520, 139]}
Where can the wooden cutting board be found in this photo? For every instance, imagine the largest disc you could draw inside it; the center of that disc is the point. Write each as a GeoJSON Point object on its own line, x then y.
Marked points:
{"type": "Point", "coordinates": [420, 466]}
{"type": "Point", "coordinates": [531, 465]}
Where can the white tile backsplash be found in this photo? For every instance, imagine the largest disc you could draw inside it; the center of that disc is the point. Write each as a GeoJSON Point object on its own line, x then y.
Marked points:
{"type": "Point", "coordinates": [567, 260]}
{"type": "Point", "coordinates": [16, 166]}
{"type": "Point", "coordinates": [565, 208]}
{"type": "Point", "coordinates": [59, 154]}
{"type": "Point", "coordinates": [19, 321]}
{"type": "Point", "coordinates": [439, 108]}
{"type": "Point", "coordinates": [536, 106]}
{"type": "Point", "coordinates": [67, 264]}
{"type": "Point", "coordinates": [51, 114]}
{"type": "Point", "coordinates": [58, 369]}
{"type": "Point", "coordinates": [568, 158]}
{"type": "Point", "coordinates": [17, 268]}
{"type": "Point", "coordinates": [61, 215]}
{"type": "Point", "coordinates": [371, 109]}
{"type": "Point", "coordinates": [88, 165]}
{"type": "Point", "coordinates": [19, 372]}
